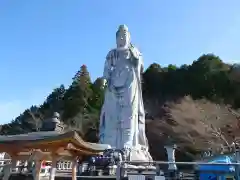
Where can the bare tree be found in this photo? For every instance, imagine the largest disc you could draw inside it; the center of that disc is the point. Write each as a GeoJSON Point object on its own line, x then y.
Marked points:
{"type": "Point", "coordinates": [199, 124]}
{"type": "Point", "coordinates": [37, 118]}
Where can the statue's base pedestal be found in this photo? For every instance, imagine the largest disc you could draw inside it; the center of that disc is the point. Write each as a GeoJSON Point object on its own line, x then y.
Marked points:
{"type": "Point", "coordinates": [140, 154]}
{"type": "Point", "coordinates": [139, 158]}
{"type": "Point", "coordinates": [140, 167]}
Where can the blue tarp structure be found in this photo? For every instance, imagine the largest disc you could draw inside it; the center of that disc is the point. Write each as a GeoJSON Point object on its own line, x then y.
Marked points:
{"type": "Point", "coordinates": [226, 169]}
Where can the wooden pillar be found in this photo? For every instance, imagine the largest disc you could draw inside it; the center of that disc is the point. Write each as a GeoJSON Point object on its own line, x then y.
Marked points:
{"type": "Point", "coordinates": [54, 167]}
{"type": "Point", "coordinates": [25, 166]}
{"type": "Point", "coordinates": [14, 164]}
{"type": "Point", "coordinates": [37, 169]}
{"type": "Point", "coordinates": [74, 169]}
{"type": "Point", "coordinates": [7, 169]}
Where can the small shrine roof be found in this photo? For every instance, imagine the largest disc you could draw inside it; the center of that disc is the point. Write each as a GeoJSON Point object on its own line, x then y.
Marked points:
{"type": "Point", "coordinates": [34, 140]}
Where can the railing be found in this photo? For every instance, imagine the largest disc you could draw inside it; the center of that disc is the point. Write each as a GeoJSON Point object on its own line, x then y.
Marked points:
{"type": "Point", "coordinates": [156, 170]}
{"type": "Point", "coordinates": [185, 170]}
{"type": "Point", "coordinates": [61, 166]}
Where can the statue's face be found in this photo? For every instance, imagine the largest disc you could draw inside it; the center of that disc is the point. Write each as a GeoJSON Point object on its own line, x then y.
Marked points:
{"type": "Point", "coordinates": [123, 38]}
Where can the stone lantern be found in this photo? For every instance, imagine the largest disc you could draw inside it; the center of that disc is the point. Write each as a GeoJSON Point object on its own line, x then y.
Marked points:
{"type": "Point", "coordinates": [52, 124]}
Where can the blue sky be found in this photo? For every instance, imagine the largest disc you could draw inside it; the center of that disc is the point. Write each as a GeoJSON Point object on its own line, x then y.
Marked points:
{"type": "Point", "coordinates": [44, 42]}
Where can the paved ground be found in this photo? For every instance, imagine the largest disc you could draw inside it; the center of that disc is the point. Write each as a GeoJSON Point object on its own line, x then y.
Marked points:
{"type": "Point", "coordinates": [69, 173]}
{"type": "Point", "coordinates": [186, 176]}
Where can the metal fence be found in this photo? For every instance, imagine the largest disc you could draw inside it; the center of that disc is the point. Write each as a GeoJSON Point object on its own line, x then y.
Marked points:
{"type": "Point", "coordinates": [161, 171]}
{"type": "Point", "coordinates": [185, 170]}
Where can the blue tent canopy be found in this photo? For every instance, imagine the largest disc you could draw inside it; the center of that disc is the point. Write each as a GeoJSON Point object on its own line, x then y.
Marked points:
{"type": "Point", "coordinates": [223, 168]}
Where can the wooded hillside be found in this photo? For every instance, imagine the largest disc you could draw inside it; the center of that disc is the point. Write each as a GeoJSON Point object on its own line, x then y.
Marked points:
{"type": "Point", "coordinates": [194, 106]}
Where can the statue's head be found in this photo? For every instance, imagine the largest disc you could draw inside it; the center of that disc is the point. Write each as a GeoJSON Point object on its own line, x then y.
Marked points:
{"type": "Point", "coordinates": [123, 36]}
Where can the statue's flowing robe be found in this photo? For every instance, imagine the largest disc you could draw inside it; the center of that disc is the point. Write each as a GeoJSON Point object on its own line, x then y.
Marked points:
{"type": "Point", "coordinates": [122, 121]}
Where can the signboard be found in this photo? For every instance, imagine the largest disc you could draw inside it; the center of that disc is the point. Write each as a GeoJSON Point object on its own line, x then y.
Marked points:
{"type": "Point", "coordinates": [136, 177]}
{"type": "Point", "coordinates": [159, 178]}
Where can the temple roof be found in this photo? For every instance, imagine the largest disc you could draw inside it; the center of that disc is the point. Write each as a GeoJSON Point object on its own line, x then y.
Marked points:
{"type": "Point", "coordinates": [34, 140]}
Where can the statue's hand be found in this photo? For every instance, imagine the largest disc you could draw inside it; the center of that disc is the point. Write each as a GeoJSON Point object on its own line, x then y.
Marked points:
{"type": "Point", "coordinates": [104, 82]}
{"type": "Point", "coordinates": [135, 52]}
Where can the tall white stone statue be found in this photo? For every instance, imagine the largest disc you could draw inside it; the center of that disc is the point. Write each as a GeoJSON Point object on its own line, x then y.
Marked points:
{"type": "Point", "coordinates": [122, 121]}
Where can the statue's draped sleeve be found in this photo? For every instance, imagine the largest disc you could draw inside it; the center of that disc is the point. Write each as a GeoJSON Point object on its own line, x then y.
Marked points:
{"type": "Point", "coordinates": [138, 69]}
{"type": "Point", "coordinates": [141, 113]}
{"type": "Point", "coordinates": [108, 65]}
{"type": "Point", "coordinates": [106, 76]}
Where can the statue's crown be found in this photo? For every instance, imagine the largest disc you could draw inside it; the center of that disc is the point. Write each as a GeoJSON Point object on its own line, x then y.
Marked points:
{"type": "Point", "coordinates": [123, 27]}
